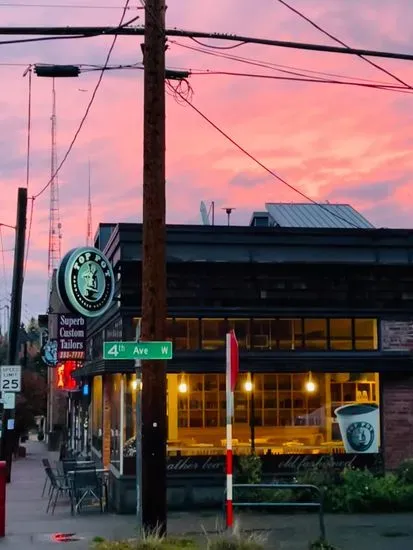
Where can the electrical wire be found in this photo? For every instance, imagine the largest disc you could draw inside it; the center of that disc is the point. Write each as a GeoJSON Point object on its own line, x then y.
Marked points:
{"type": "Point", "coordinates": [273, 66]}
{"type": "Point", "coordinates": [29, 233]}
{"type": "Point", "coordinates": [89, 106]}
{"type": "Point", "coordinates": [338, 41]}
{"type": "Point", "coordinates": [254, 159]}
{"type": "Point", "coordinates": [29, 125]}
{"type": "Point", "coordinates": [387, 87]}
{"type": "Point", "coordinates": [64, 6]}
{"type": "Point", "coordinates": [218, 47]}
{"type": "Point", "coordinates": [69, 37]}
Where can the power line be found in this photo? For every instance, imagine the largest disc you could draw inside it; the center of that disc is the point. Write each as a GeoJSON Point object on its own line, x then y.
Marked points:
{"type": "Point", "coordinates": [254, 159]}
{"type": "Point", "coordinates": [338, 41]}
{"type": "Point", "coordinates": [86, 32]}
{"type": "Point", "coordinates": [388, 87]}
{"type": "Point", "coordinates": [29, 125]}
{"type": "Point", "coordinates": [65, 6]}
{"type": "Point", "coordinates": [272, 66]}
{"type": "Point", "coordinates": [92, 99]}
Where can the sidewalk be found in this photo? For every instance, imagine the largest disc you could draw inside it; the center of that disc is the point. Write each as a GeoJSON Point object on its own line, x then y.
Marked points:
{"type": "Point", "coordinates": [28, 525]}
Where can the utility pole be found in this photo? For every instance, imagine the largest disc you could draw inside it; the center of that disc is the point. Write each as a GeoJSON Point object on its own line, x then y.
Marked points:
{"type": "Point", "coordinates": [154, 310]}
{"type": "Point", "coordinates": [7, 439]}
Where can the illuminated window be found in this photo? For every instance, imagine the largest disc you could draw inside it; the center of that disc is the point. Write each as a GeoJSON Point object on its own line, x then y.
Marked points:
{"type": "Point", "coordinates": [315, 334]}
{"type": "Point", "coordinates": [260, 334]}
{"type": "Point", "coordinates": [242, 331]}
{"type": "Point", "coordinates": [287, 334]}
{"type": "Point", "coordinates": [213, 333]}
{"type": "Point", "coordinates": [365, 334]}
{"type": "Point", "coordinates": [341, 337]}
{"type": "Point", "coordinates": [186, 334]}
{"type": "Point", "coordinates": [97, 412]}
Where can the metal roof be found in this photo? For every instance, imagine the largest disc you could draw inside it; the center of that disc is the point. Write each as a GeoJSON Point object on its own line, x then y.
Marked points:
{"type": "Point", "coordinates": [316, 215]}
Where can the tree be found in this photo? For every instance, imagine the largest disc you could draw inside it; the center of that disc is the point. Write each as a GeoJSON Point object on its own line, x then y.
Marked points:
{"type": "Point", "coordinates": [31, 402]}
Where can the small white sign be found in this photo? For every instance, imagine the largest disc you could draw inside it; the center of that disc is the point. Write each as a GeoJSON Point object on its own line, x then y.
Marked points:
{"type": "Point", "coordinates": [9, 400]}
{"type": "Point", "coordinates": [10, 378]}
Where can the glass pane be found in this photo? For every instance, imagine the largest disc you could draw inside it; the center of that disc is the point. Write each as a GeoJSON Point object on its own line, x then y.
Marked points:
{"type": "Point", "coordinates": [286, 334]}
{"type": "Point", "coordinates": [97, 412]}
{"type": "Point", "coordinates": [365, 334]}
{"type": "Point", "coordinates": [341, 334]}
{"type": "Point", "coordinates": [213, 333]}
{"type": "Point", "coordinates": [315, 334]}
{"type": "Point", "coordinates": [242, 331]}
{"type": "Point", "coordinates": [260, 334]}
{"type": "Point", "coordinates": [186, 334]}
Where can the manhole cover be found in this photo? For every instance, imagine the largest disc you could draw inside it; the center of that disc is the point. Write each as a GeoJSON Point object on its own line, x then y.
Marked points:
{"type": "Point", "coordinates": [65, 537]}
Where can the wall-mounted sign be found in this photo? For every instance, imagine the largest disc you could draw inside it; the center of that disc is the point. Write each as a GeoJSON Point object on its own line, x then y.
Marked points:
{"type": "Point", "coordinates": [396, 335]}
{"type": "Point", "coordinates": [85, 282]}
{"type": "Point", "coordinates": [49, 353]}
{"type": "Point", "coordinates": [71, 337]}
{"type": "Point", "coordinates": [64, 378]}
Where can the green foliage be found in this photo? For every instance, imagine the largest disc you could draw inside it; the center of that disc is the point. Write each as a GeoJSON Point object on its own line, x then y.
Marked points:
{"type": "Point", "coordinates": [249, 469]}
{"type": "Point", "coordinates": [30, 402]}
{"type": "Point", "coordinates": [321, 544]}
{"type": "Point", "coordinates": [405, 471]}
{"type": "Point", "coordinates": [150, 541]}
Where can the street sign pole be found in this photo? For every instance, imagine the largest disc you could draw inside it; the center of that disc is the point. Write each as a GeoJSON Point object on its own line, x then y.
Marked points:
{"type": "Point", "coordinates": [138, 370]}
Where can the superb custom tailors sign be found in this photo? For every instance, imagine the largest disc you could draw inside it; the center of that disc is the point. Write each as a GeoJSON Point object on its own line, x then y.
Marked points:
{"type": "Point", "coordinates": [85, 282]}
{"type": "Point", "coordinates": [71, 337]}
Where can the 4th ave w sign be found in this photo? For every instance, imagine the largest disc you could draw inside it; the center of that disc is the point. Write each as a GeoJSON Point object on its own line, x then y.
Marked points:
{"type": "Point", "coordinates": [137, 350]}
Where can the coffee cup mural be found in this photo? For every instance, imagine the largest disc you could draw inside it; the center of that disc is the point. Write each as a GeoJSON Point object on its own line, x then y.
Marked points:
{"type": "Point", "coordinates": [359, 427]}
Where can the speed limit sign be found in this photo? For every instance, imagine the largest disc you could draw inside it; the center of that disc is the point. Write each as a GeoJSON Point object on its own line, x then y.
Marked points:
{"type": "Point", "coordinates": [10, 378]}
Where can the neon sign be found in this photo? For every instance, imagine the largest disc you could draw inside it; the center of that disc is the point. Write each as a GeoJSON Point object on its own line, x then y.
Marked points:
{"type": "Point", "coordinates": [64, 378]}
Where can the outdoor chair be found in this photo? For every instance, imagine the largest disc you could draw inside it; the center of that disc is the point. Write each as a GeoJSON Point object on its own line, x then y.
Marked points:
{"type": "Point", "coordinates": [59, 487]}
{"type": "Point", "coordinates": [86, 484]}
{"type": "Point", "coordinates": [46, 464]}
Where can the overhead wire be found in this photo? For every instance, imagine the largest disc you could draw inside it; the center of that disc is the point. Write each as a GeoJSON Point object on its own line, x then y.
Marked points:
{"type": "Point", "coordinates": [254, 159]}
{"type": "Point", "coordinates": [91, 101]}
{"type": "Point", "coordinates": [338, 41]}
{"type": "Point", "coordinates": [65, 6]}
{"type": "Point", "coordinates": [3, 260]}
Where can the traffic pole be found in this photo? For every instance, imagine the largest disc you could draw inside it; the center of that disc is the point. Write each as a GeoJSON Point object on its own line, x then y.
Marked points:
{"type": "Point", "coordinates": [3, 476]}
{"type": "Point", "coordinates": [8, 433]}
{"type": "Point", "coordinates": [154, 427]}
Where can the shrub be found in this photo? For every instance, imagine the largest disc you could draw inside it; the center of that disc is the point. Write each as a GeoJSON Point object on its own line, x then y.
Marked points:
{"type": "Point", "coordinates": [321, 544]}
{"type": "Point", "coordinates": [249, 469]}
{"type": "Point", "coordinates": [405, 471]}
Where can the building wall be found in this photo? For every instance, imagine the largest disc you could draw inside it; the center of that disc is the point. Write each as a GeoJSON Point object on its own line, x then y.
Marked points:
{"type": "Point", "coordinates": [397, 419]}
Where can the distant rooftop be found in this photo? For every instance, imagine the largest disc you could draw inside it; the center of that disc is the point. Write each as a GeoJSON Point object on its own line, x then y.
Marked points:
{"type": "Point", "coordinates": [280, 214]}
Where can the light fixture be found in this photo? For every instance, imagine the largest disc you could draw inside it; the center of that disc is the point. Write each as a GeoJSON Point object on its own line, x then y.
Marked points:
{"type": "Point", "coordinates": [248, 386]}
{"type": "Point", "coordinates": [183, 386]}
{"type": "Point", "coordinates": [310, 386]}
{"type": "Point", "coordinates": [135, 384]}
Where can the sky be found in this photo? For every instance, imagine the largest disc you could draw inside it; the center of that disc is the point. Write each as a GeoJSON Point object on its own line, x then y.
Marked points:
{"type": "Point", "coordinates": [332, 142]}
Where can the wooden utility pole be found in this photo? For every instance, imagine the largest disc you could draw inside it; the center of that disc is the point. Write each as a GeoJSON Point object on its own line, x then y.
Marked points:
{"type": "Point", "coordinates": [8, 439]}
{"type": "Point", "coordinates": [154, 310]}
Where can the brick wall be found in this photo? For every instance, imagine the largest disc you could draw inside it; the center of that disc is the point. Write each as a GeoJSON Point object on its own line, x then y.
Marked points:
{"type": "Point", "coordinates": [396, 418]}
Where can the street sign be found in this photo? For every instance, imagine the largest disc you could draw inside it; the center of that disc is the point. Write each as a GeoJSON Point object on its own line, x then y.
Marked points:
{"type": "Point", "coordinates": [10, 378]}
{"type": "Point", "coordinates": [137, 350]}
{"type": "Point", "coordinates": [9, 400]}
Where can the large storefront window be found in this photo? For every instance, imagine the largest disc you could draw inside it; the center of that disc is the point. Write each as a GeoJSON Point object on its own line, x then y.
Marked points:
{"type": "Point", "coordinates": [97, 413]}
{"type": "Point", "coordinates": [286, 413]}
{"type": "Point", "coordinates": [284, 334]}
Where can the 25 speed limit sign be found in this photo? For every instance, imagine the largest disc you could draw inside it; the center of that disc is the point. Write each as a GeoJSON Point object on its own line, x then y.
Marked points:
{"type": "Point", "coordinates": [10, 378]}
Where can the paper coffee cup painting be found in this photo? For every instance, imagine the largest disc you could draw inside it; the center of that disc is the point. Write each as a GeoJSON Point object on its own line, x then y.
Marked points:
{"type": "Point", "coordinates": [359, 427]}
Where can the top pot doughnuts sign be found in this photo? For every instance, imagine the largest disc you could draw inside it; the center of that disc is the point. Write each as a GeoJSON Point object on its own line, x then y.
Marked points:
{"type": "Point", "coordinates": [85, 282]}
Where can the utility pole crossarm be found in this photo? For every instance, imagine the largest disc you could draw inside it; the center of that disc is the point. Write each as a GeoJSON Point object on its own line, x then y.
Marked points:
{"type": "Point", "coordinates": [139, 31]}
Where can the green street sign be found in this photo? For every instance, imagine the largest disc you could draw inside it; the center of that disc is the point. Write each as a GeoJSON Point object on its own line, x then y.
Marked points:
{"type": "Point", "coordinates": [137, 350]}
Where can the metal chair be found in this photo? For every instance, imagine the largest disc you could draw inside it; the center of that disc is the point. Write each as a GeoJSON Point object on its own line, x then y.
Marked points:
{"type": "Point", "coordinates": [86, 483]}
{"type": "Point", "coordinates": [59, 487]}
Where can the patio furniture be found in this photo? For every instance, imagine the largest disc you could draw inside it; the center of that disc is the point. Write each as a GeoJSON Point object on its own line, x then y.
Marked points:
{"type": "Point", "coordinates": [46, 464]}
{"type": "Point", "coordinates": [59, 487]}
{"type": "Point", "coordinates": [86, 483]}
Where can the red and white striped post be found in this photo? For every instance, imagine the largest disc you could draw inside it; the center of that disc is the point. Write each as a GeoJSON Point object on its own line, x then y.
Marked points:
{"type": "Point", "coordinates": [232, 368]}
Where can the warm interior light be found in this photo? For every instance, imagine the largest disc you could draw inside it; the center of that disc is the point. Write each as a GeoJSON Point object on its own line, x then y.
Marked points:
{"type": "Point", "coordinates": [310, 386]}
{"type": "Point", "coordinates": [134, 384]}
{"type": "Point", "coordinates": [248, 386]}
{"type": "Point", "coordinates": [182, 388]}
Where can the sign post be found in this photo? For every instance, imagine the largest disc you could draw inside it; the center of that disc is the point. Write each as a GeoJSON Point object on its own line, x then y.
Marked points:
{"type": "Point", "coordinates": [138, 350]}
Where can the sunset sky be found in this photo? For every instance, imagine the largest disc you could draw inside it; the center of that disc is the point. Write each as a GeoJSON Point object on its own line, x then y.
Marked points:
{"type": "Point", "coordinates": [333, 142]}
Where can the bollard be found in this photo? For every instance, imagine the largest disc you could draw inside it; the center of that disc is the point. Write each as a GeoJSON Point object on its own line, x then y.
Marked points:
{"type": "Point", "coordinates": [3, 475]}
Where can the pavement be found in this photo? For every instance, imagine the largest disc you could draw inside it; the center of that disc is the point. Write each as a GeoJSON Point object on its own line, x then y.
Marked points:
{"type": "Point", "coordinates": [29, 527]}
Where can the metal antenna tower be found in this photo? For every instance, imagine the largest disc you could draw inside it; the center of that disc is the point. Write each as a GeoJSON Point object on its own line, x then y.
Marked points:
{"type": "Point", "coordinates": [55, 235]}
{"type": "Point", "coordinates": [89, 215]}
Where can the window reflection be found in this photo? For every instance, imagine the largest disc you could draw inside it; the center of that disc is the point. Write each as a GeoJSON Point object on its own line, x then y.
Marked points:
{"type": "Point", "coordinates": [260, 334]}
{"type": "Point", "coordinates": [186, 334]}
{"type": "Point", "coordinates": [242, 331]}
{"type": "Point", "coordinates": [97, 412]}
{"type": "Point", "coordinates": [365, 334]}
{"type": "Point", "coordinates": [341, 337]}
{"type": "Point", "coordinates": [213, 333]}
{"type": "Point", "coordinates": [315, 334]}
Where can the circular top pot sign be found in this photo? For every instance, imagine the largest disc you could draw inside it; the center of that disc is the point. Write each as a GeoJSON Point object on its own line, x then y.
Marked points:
{"type": "Point", "coordinates": [85, 282]}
